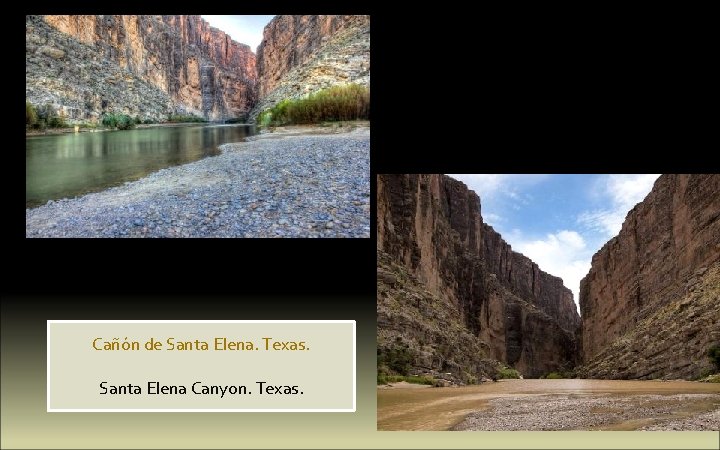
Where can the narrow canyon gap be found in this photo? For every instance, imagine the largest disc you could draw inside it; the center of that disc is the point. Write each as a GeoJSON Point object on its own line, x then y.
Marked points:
{"type": "Point", "coordinates": [454, 296]}
{"type": "Point", "coordinates": [152, 66]}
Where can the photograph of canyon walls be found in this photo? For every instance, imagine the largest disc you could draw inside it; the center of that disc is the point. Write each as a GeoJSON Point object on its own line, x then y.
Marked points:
{"type": "Point", "coordinates": [475, 334]}
{"type": "Point", "coordinates": [197, 126]}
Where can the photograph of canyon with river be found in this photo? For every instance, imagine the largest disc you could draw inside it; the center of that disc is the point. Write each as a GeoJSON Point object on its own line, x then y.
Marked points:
{"type": "Point", "coordinates": [597, 308]}
{"type": "Point", "coordinates": [197, 126]}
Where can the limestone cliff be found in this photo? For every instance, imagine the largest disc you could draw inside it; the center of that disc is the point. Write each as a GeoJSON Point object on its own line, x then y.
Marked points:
{"type": "Point", "coordinates": [303, 54]}
{"type": "Point", "coordinates": [147, 66]}
{"type": "Point", "coordinates": [431, 226]}
{"type": "Point", "coordinates": [650, 303]}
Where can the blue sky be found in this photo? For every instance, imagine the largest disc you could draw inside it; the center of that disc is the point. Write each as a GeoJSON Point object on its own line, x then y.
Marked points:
{"type": "Point", "coordinates": [558, 221]}
{"type": "Point", "coordinates": [244, 29]}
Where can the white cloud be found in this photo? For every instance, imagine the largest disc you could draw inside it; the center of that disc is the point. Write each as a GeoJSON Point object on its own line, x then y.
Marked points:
{"type": "Point", "coordinates": [604, 221]}
{"type": "Point", "coordinates": [486, 185]}
{"type": "Point", "coordinates": [564, 254]}
{"type": "Point", "coordinates": [483, 184]}
{"type": "Point", "coordinates": [623, 193]}
{"type": "Point", "coordinates": [509, 189]}
{"type": "Point", "coordinates": [492, 218]}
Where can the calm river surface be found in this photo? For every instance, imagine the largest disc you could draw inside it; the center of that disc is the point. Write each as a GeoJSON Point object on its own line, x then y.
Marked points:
{"type": "Point", "coordinates": [73, 164]}
{"type": "Point", "coordinates": [442, 408]}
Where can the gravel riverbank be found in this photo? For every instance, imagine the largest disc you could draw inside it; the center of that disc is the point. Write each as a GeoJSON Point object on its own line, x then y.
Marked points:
{"type": "Point", "coordinates": [291, 186]}
{"type": "Point", "coordinates": [589, 412]}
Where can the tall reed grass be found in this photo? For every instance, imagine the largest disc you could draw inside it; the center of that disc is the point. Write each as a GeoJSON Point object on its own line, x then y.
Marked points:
{"type": "Point", "coordinates": [342, 102]}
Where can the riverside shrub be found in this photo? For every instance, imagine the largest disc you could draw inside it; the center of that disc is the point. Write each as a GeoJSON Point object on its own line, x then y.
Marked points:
{"type": "Point", "coordinates": [507, 372]}
{"type": "Point", "coordinates": [714, 355]}
{"type": "Point", "coordinates": [119, 121]}
{"type": "Point", "coordinates": [30, 114]}
{"type": "Point", "coordinates": [43, 116]}
{"type": "Point", "coordinates": [342, 102]}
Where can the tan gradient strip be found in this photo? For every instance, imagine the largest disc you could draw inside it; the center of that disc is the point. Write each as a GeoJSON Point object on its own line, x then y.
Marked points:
{"type": "Point", "coordinates": [26, 424]}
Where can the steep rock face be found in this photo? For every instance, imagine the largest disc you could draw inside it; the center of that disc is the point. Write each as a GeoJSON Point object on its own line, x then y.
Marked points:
{"type": "Point", "coordinates": [303, 54]}
{"type": "Point", "coordinates": [198, 67]}
{"type": "Point", "coordinates": [431, 224]}
{"type": "Point", "coordinates": [672, 341]}
{"type": "Point", "coordinates": [431, 328]}
{"type": "Point", "coordinates": [666, 243]}
{"type": "Point", "coordinates": [76, 79]}
{"type": "Point", "coordinates": [525, 279]}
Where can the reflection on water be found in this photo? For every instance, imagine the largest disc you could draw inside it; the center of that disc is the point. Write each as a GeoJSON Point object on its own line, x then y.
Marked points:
{"type": "Point", "coordinates": [441, 408]}
{"type": "Point", "coordinates": [73, 164]}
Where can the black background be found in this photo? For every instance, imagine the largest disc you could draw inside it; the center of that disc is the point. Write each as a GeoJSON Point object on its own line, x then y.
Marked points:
{"type": "Point", "coordinates": [516, 88]}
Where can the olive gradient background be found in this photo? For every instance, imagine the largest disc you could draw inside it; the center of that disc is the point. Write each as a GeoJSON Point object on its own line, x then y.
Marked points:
{"type": "Point", "coordinates": [25, 422]}
{"type": "Point", "coordinates": [548, 88]}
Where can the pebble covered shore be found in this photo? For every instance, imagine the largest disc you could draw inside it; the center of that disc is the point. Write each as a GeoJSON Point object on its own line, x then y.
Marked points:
{"type": "Point", "coordinates": [576, 412]}
{"type": "Point", "coordinates": [287, 186]}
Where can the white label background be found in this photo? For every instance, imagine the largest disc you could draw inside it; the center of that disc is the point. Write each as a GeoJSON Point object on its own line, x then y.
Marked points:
{"type": "Point", "coordinates": [325, 373]}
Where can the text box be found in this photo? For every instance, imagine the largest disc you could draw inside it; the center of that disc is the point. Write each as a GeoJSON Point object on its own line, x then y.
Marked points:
{"type": "Point", "coordinates": [201, 366]}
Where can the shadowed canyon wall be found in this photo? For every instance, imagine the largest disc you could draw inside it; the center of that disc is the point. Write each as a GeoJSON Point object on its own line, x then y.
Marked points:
{"type": "Point", "coordinates": [651, 302]}
{"type": "Point", "coordinates": [147, 66]}
{"type": "Point", "coordinates": [303, 54]}
{"type": "Point", "coordinates": [437, 258]}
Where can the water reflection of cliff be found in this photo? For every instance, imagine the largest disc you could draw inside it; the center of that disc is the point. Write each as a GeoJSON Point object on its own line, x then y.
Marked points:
{"type": "Point", "coordinates": [72, 164]}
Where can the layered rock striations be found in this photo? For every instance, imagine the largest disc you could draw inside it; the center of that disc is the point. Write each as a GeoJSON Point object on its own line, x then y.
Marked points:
{"type": "Point", "coordinates": [431, 226]}
{"type": "Point", "coordinates": [650, 303]}
{"type": "Point", "coordinates": [147, 66]}
{"type": "Point", "coordinates": [303, 54]}
{"type": "Point", "coordinates": [429, 326]}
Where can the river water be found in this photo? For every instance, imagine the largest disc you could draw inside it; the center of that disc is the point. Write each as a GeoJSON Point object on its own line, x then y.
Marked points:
{"type": "Point", "coordinates": [68, 165]}
{"type": "Point", "coordinates": [421, 408]}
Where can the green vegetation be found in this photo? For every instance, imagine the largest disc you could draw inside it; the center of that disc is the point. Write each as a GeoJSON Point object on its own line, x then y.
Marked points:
{"type": "Point", "coordinates": [507, 372]}
{"type": "Point", "coordinates": [30, 114]}
{"type": "Point", "coordinates": [706, 372]}
{"type": "Point", "coordinates": [344, 102]}
{"type": "Point", "coordinates": [714, 355]}
{"type": "Point", "coordinates": [385, 379]}
{"type": "Point", "coordinates": [178, 118]}
{"type": "Point", "coordinates": [563, 373]}
{"type": "Point", "coordinates": [125, 122]}
{"type": "Point", "coordinates": [119, 121]}
{"type": "Point", "coordinates": [394, 364]}
{"type": "Point", "coordinates": [44, 116]}
{"type": "Point", "coordinates": [712, 378]}
{"type": "Point", "coordinates": [396, 360]}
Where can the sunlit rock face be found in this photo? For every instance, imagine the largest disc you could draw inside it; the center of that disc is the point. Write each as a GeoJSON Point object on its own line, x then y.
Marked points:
{"type": "Point", "coordinates": [146, 66]}
{"type": "Point", "coordinates": [303, 54]}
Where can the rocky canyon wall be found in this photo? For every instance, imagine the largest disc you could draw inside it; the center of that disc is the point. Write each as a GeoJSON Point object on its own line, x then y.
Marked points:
{"type": "Point", "coordinates": [147, 66]}
{"type": "Point", "coordinates": [303, 54]}
{"type": "Point", "coordinates": [651, 302]}
{"type": "Point", "coordinates": [431, 227]}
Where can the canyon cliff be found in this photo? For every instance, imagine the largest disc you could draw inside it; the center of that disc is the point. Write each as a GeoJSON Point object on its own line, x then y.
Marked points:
{"type": "Point", "coordinates": [651, 302]}
{"type": "Point", "coordinates": [453, 293]}
{"type": "Point", "coordinates": [146, 66]}
{"type": "Point", "coordinates": [303, 54]}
